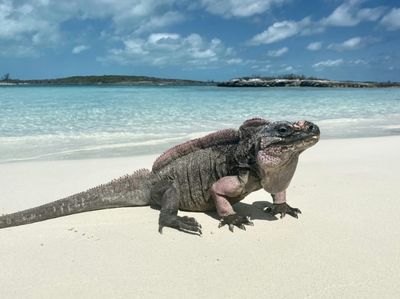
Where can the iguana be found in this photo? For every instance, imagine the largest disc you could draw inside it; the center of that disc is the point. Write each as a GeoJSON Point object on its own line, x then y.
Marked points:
{"type": "Point", "coordinates": [212, 172]}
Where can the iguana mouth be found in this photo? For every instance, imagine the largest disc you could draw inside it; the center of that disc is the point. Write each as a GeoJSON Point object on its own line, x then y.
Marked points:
{"type": "Point", "coordinates": [273, 144]}
{"type": "Point", "coordinates": [271, 155]}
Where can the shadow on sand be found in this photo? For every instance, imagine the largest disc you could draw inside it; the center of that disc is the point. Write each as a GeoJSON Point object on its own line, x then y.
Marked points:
{"type": "Point", "coordinates": [255, 211]}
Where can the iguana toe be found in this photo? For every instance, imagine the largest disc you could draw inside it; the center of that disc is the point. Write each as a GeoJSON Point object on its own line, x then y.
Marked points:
{"type": "Point", "coordinates": [189, 227]}
{"type": "Point", "coordinates": [191, 220]}
{"type": "Point", "coordinates": [235, 220]}
{"type": "Point", "coordinates": [185, 224]}
{"type": "Point", "coordinates": [294, 212]}
{"type": "Point", "coordinates": [282, 209]}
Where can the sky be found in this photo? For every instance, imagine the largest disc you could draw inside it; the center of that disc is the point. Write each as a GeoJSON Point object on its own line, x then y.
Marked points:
{"type": "Point", "coordinates": [201, 39]}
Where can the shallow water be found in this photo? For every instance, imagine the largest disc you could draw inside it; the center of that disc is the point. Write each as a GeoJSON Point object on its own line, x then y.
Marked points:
{"type": "Point", "coordinates": [88, 121]}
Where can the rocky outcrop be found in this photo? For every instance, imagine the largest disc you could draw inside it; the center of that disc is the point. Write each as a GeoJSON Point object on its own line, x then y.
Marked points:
{"type": "Point", "coordinates": [260, 82]}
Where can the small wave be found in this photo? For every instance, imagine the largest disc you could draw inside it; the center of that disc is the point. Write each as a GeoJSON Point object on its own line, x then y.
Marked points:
{"type": "Point", "coordinates": [87, 136]}
{"type": "Point", "coordinates": [391, 127]}
{"type": "Point", "coordinates": [77, 149]}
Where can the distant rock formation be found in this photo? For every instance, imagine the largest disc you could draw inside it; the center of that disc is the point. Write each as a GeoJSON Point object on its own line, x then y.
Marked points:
{"type": "Point", "coordinates": [282, 82]}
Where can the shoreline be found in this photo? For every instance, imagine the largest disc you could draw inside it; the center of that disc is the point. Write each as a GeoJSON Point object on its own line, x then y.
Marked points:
{"type": "Point", "coordinates": [125, 80]}
{"type": "Point", "coordinates": [154, 154]}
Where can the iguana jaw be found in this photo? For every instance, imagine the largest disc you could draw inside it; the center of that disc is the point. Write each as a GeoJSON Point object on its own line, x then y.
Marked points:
{"type": "Point", "coordinates": [280, 142]}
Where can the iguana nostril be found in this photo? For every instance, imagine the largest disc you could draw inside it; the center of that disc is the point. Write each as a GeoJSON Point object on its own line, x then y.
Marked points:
{"type": "Point", "coordinates": [313, 128]}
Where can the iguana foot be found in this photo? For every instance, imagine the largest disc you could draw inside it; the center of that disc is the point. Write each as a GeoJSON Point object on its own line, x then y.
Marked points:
{"type": "Point", "coordinates": [235, 220]}
{"type": "Point", "coordinates": [182, 223]}
{"type": "Point", "coordinates": [283, 209]}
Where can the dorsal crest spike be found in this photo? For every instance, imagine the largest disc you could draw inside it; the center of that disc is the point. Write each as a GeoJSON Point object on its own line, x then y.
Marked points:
{"type": "Point", "coordinates": [250, 126]}
{"type": "Point", "coordinates": [227, 136]}
{"type": "Point", "coordinates": [254, 122]}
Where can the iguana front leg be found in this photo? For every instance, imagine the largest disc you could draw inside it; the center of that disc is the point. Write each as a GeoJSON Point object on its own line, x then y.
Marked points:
{"type": "Point", "coordinates": [226, 189]}
{"type": "Point", "coordinates": [281, 207]}
{"type": "Point", "coordinates": [168, 214]}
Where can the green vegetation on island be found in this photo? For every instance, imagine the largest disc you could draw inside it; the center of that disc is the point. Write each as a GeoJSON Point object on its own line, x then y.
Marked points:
{"type": "Point", "coordinates": [100, 80]}
{"type": "Point", "coordinates": [288, 80]}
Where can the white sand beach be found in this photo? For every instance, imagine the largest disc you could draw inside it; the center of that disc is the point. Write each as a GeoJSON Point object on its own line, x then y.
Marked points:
{"type": "Point", "coordinates": [346, 244]}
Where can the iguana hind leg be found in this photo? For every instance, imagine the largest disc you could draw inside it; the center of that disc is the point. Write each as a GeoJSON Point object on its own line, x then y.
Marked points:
{"type": "Point", "coordinates": [169, 214]}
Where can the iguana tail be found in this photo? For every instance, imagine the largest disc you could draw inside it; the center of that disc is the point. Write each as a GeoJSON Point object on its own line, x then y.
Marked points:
{"type": "Point", "coordinates": [127, 191]}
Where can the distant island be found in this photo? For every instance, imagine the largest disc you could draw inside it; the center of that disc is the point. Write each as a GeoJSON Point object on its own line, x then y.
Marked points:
{"type": "Point", "coordinates": [301, 81]}
{"type": "Point", "coordinates": [290, 80]}
{"type": "Point", "coordinates": [100, 80]}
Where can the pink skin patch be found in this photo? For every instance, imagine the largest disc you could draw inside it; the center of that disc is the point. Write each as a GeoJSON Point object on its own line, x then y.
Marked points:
{"type": "Point", "coordinates": [265, 158]}
{"type": "Point", "coordinates": [225, 188]}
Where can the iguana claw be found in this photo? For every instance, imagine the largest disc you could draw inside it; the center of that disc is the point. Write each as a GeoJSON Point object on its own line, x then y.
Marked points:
{"type": "Point", "coordinates": [185, 224]}
{"type": "Point", "coordinates": [235, 220]}
{"type": "Point", "coordinates": [283, 209]}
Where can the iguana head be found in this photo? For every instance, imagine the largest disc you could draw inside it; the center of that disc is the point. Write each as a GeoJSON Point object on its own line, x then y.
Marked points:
{"type": "Point", "coordinates": [281, 141]}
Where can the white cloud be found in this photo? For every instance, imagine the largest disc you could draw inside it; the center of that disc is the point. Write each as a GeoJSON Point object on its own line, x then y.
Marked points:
{"type": "Point", "coordinates": [172, 49]}
{"type": "Point", "coordinates": [79, 49]}
{"type": "Point", "coordinates": [392, 20]}
{"type": "Point", "coordinates": [289, 68]}
{"type": "Point", "coordinates": [162, 21]}
{"type": "Point", "coordinates": [346, 15]}
{"type": "Point", "coordinates": [261, 67]}
{"type": "Point", "coordinates": [163, 40]}
{"type": "Point", "coordinates": [370, 14]}
{"type": "Point", "coordinates": [16, 50]}
{"type": "Point", "coordinates": [234, 61]}
{"type": "Point", "coordinates": [352, 43]}
{"type": "Point", "coordinates": [133, 46]}
{"type": "Point", "coordinates": [278, 53]}
{"type": "Point", "coordinates": [20, 22]}
{"type": "Point", "coordinates": [132, 15]}
{"type": "Point", "coordinates": [279, 31]}
{"type": "Point", "coordinates": [238, 8]}
{"type": "Point", "coordinates": [36, 24]}
{"type": "Point", "coordinates": [340, 17]}
{"type": "Point", "coordinates": [328, 63]}
{"type": "Point", "coordinates": [349, 14]}
{"type": "Point", "coordinates": [358, 62]}
{"type": "Point", "coordinates": [314, 46]}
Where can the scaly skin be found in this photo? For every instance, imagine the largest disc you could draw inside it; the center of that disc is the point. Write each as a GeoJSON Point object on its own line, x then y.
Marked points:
{"type": "Point", "coordinates": [213, 172]}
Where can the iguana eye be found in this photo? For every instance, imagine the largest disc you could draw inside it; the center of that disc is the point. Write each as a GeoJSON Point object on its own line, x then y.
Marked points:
{"type": "Point", "coordinates": [282, 130]}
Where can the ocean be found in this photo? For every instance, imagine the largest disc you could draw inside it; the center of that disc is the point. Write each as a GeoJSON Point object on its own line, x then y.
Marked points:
{"type": "Point", "coordinates": [78, 122]}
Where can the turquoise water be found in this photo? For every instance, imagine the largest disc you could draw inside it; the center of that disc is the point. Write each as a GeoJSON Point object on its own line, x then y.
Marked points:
{"type": "Point", "coordinates": [87, 122]}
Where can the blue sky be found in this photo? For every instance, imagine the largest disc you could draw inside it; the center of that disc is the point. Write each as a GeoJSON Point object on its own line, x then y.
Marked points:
{"type": "Point", "coordinates": [201, 39]}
